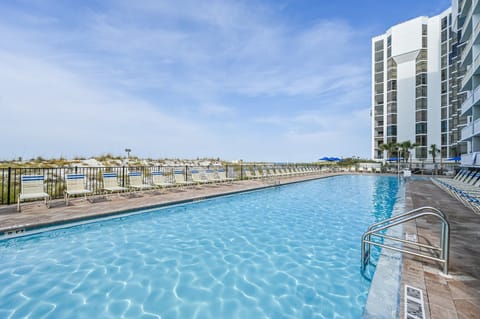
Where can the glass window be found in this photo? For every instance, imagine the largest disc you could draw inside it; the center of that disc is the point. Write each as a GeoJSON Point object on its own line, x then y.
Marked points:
{"type": "Point", "coordinates": [391, 130]}
{"type": "Point", "coordinates": [444, 113]}
{"type": "Point", "coordinates": [421, 152]}
{"type": "Point", "coordinates": [379, 45]}
{"type": "Point", "coordinates": [389, 40]}
{"type": "Point", "coordinates": [444, 139]}
{"type": "Point", "coordinates": [421, 140]}
{"type": "Point", "coordinates": [379, 77]}
{"type": "Point", "coordinates": [421, 91]}
{"type": "Point", "coordinates": [444, 22]}
{"type": "Point", "coordinates": [391, 96]}
{"type": "Point", "coordinates": [421, 79]}
{"type": "Point", "coordinates": [421, 116]}
{"type": "Point", "coordinates": [391, 119]}
{"type": "Point", "coordinates": [421, 128]}
{"type": "Point", "coordinates": [421, 67]}
{"type": "Point", "coordinates": [424, 29]}
{"type": "Point", "coordinates": [392, 107]}
{"type": "Point", "coordinates": [391, 85]}
{"type": "Point", "coordinates": [444, 126]}
{"type": "Point", "coordinates": [444, 35]}
{"type": "Point", "coordinates": [421, 103]}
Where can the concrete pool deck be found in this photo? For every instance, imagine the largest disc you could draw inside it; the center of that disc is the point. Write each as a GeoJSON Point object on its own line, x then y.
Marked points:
{"type": "Point", "coordinates": [457, 296]}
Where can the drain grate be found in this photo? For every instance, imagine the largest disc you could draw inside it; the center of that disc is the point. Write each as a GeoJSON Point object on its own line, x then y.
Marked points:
{"type": "Point", "coordinates": [14, 232]}
{"type": "Point", "coordinates": [414, 308]}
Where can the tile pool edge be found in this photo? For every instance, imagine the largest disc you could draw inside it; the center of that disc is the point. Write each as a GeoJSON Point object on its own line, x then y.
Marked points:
{"type": "Point", "coordinates": [26, 228]}
{"type": "Point", "coordinates": [384, 294]}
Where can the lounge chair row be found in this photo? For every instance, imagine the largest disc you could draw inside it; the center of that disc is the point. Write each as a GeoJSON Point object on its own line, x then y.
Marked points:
{"type": "Point", "coordinates": [278, 172]}
{"type": "Point", "coordinates": [32, 186]}
{"type": "Point", "coordinates": [465, 185]}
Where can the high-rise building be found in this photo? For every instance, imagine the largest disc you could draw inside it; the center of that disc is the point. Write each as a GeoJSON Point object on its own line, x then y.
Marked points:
{"type": "Point", "coordinates": [466, 22]}
{"type": "Point", "coordinates": [415, 88]}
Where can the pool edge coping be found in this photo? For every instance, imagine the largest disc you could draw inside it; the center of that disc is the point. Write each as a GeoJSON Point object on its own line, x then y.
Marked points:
{"type": "Point", "coordinates": [383, 299]}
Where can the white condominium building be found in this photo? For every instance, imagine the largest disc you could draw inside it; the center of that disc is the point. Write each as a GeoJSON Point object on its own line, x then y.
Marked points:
{"type": "Point", "coordinates": [467, 24]}
{"type": "Point", "coordinates": [415, 88]}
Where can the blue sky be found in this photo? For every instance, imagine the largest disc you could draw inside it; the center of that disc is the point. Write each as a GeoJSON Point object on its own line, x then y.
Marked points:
{"type": "Point", "coordinates": [253, 80]}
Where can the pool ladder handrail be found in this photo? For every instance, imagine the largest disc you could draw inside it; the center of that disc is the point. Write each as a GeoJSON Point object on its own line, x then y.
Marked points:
{"type": "Point", "coordinates": [403, 218]}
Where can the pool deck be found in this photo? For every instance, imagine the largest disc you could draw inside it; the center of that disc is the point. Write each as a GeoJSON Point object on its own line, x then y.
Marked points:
{"type": "Point", "coordinates": [456, 296]}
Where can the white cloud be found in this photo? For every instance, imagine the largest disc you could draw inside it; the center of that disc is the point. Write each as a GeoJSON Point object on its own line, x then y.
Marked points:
{"type": "Point", "coordinates": [187, 80]}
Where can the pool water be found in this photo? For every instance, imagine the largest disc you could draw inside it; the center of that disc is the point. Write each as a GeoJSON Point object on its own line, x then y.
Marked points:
{"type": "Point", "coordinates": [284, 252]}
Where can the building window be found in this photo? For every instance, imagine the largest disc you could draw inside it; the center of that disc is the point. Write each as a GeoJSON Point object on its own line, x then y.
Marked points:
{"type": "Point", "coordinates": [391, 130]}
{"type": "Point", "coordinates": [421, 128]}
{"type": "Point", "coordinates": [444, 126]}
{"type": "Point", "coordinates": [421, 116]}
{"type": "Point", "coordinates": [421, 152]}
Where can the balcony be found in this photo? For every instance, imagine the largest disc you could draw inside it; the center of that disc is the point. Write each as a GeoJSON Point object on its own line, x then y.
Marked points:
{"type": "Point", "coordinates": [467, 132]}
{"type": "Point", "coordinates": [469, 159]}
{"type": "Point", "coordinates": [467, 79]}
{"type": "Point", "coordinates": [467, 25]}
{"type": "Point", "coordinates": [466, 5]}
{"type": "Point", "coordinates": [466, 57]}
{"type": "Point", "coordinates": [468, 103]}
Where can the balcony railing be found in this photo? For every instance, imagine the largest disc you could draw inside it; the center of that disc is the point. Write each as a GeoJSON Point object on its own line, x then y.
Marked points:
{"type": "Point", "coordinates": [468, 103]}
{"type": "Point", "coordinates": [467, 131]}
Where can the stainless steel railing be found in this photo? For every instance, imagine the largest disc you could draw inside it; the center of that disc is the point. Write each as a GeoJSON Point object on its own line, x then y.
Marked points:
{"type": "Point", "coordinates": [438, 254]}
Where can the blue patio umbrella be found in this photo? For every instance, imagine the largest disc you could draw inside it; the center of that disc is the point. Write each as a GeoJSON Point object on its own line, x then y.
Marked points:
{"type": "Point", "coordinates": [324, 158]}
{"type": "Point", "coordinates": [456, 158]}
{"type": "Point", "coordinates": [335, 159]}
{"type": "Point", "coordinates": [394, 159]}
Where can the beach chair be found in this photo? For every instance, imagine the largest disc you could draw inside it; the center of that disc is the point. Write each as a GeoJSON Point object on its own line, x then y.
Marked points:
{"type": "Point", "coordinates": [199, 178]}
{"type": "Point", "coordinates": [135, 181]}
{"type": "Point", "coordinates": [180, 180]}
{"type": "Point", "coordinates": [32, 187]}
{"type": "Point", "coordinates": [110, 183]}
{"type": "Point", "coordinates": [75, 185]}
{"type": "Point", "coordinates": [160, 180]}
{"type": "Point", "coordinates": [247, 174]}
{"type": "Point", "coordinates": [212, 176]}
{"type": "Point", "coordinates": [222, 174]}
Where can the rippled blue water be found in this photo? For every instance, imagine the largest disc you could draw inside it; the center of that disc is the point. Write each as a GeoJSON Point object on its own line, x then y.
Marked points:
{"type": "Point", "coordinates": [285, 252]}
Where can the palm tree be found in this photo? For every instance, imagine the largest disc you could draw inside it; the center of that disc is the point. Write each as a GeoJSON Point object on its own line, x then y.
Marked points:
{"type": "Point", "coordinates": [405, 148]}
{"type": "Point", "coordinates": [434, 151]}
{"type": "Point", "coordinates": [391, 148]}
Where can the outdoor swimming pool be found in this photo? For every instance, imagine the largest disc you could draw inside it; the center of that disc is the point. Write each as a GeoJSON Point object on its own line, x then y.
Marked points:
{"type": "Point", "coordinates": [284, 252]}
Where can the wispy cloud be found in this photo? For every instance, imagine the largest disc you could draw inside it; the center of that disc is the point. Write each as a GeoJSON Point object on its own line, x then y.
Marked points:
{"type": "Point", "coordinates": [190, 79]}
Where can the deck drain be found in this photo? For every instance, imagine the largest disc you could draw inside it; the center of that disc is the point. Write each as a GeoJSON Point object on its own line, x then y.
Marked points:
{"type": "Point", "coordinates": [414, 308]}
{"type": "Point", "coordinates": [14, 232]}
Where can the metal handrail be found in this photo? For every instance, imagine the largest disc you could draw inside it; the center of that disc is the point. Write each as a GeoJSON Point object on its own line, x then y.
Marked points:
{"type": "Point", "coordinates": [403, 218]}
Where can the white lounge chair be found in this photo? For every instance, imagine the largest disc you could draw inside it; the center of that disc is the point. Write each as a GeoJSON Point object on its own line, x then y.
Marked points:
{"type": "Point", "coordinates": [32, 187]}
{"type": "Point", "coordinates": [212, 176]}
{"type": "Point", "coordinates": [110, 183]}
{"type": "Point", "coordinates": [135, 180]}
{"type": "Point", "coordinates": [198, 177]}
{"type": "Point", "coordinates": [222, 174]}
{"type": "Point", "coordinates": [180, 180]}
{"type": "Point", "coordinates": [75, 186]}
{"type": "Point", "coordinates": [160, 180]}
